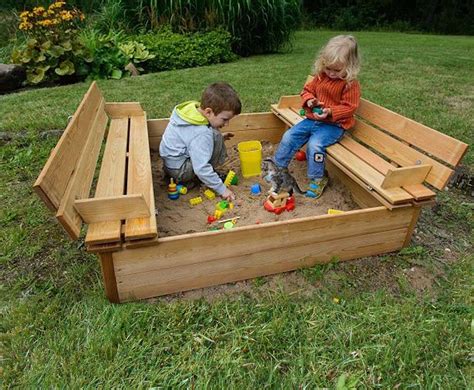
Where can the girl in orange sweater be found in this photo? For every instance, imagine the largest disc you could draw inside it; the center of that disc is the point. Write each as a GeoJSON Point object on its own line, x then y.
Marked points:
{"type": "Point", "coordinates": [334, 95]}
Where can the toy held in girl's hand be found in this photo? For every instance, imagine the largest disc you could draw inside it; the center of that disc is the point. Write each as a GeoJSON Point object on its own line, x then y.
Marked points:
{"type": "Point", "coordinates": [314, 110]}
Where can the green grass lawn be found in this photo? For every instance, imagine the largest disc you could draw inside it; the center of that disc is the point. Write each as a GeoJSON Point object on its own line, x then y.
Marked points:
{"type": "Point", "coordinates": [400, 320]}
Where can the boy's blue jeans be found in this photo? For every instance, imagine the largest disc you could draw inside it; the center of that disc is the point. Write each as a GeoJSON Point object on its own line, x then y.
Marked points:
{"type": "Point", "coordinates": [318, 135]}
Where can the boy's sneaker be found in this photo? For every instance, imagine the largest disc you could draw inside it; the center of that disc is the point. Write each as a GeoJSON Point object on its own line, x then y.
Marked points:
{"type": "Point", "coordinates": [316, 187]}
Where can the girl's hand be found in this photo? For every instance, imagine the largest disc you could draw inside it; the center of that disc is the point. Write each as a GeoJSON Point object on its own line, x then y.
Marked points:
{"type": "Point", "coordinates": [314, 102]}
{"type": "Point", "coordinates": [326, 112]}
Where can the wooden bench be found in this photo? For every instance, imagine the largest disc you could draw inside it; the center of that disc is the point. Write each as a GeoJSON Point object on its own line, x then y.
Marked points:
{"type": "Point", "coordinates": [123, 205]}
{"type": "Point", "coordinates": [390, 154]}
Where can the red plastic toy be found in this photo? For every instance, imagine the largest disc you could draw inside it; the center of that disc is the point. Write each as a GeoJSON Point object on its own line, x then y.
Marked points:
{"type": "Point", "coordinates": [300, 155]}
{"type": "Point", "coordinates": [279, 203]}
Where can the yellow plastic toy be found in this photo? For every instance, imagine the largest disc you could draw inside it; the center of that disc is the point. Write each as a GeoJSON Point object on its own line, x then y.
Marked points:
{"type": "Point", "coordinates": [334, 211]}
{"type": "Point", "coordinates": [250, 154]}
{"type": "Point", "coordinates": [209, 194]}
{"type": "Point", "coordinates": [229, 178]}
{"type": "Point", "coordinates": [195, 201]}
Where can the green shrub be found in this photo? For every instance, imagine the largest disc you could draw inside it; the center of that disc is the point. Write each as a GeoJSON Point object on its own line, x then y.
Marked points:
{"type": "Point", "coordinates": [53, 50]}
{"type": "Point", "coordinates": [176, 51]}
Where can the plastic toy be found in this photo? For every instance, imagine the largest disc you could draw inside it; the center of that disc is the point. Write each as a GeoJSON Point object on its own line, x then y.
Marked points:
{"type": "Point", "coordinates": [255, 189]}
{"type": "Point", "coordinates": [250, 154]}
{"type": "Point", "coordinates": [316, 110]}
{"type": "Point", "coordinates": [195, 201]}
{"type": "Point", "coordinates": [211, 219]}
{"type": "Point", "coordinates": [182, 189]}
{"type": "Point", "coordinates": [277, 203]}
{"type": "Point", "coordinates": [334, 212]}
{"type": "Point", "coordinates": [235, 180]}
{"type": "Point", "coordinates": [173, 193]}
{"type": "Point", "coordinates": [300, 155]}
{"type": "Point", "coordinates": [209, 194]}
{"type": "Point", "coordinates": [229, 178]}
{"type": "Point", "coordinates": [218, 214]}
{"type": "Point", "coordinates": [228, 225]}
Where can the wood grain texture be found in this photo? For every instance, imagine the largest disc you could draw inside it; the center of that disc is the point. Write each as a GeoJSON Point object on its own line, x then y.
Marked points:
{"type": "Point", "coordinates": [112, 208]}
{"type": "Point", "coordinates": [79, 185]}
{"type": "Point", "coordinates": [111, 181]}
{"type": "Point", "coordinates": [399, 177]}
{"type": "Point", "coordinates": [139, 180]}
{"type": "Point", "coordinates": [192, 261]}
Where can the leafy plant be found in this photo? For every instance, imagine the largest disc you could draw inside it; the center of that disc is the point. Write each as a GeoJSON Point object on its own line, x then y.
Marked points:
{"type": "Point", "coordinates": [136, 52]}
{"type": "Point", "coordinates": [109, 60]}
{"type": "Point", "coordinates": [53, 49]}
{"type": "Point", "coordinates": [176, 51]}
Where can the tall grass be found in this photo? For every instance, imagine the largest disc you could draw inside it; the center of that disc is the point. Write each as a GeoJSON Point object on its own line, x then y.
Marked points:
{"type": "Point", "coordinates": [258, 26]}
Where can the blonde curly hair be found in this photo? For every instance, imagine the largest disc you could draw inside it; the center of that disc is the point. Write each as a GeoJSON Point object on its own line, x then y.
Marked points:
{"type": "Point", "coordinates": [340, 50]}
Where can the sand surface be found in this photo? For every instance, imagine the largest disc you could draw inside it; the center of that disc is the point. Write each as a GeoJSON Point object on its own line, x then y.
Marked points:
{"type": "Point", "coordinates": [175, 217]}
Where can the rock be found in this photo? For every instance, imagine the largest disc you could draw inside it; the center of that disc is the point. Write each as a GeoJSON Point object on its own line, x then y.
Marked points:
{"type": "Point", "coordinates": [11, 77]}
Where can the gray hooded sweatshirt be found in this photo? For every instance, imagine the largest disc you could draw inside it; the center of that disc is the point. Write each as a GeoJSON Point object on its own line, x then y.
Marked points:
{"type": "Point", "coordinates": [189, 135]}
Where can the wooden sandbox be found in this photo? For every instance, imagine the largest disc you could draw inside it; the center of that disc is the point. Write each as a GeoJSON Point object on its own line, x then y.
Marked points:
{"type": "Point", "coordinates": [384, 162]}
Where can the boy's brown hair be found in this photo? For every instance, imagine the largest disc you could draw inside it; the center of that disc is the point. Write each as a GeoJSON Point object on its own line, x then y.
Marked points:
{"type": "Point", "coordinates": [221, 97]}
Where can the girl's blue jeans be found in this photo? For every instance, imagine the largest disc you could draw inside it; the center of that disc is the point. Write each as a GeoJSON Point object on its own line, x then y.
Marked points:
{"type": "Point", "coordinates": [318, 135]}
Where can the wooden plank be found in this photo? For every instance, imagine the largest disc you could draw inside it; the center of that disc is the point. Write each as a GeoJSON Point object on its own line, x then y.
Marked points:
{"type": "Point", "coordinates": [418, 191]}
{"type": "Point", "coordinates": [290, 115]}
{"type": "Point", "coordinates": [56, 173]}
{"type": "Point", "coordinates": [290, 101]}
{"type": "Point", "coordinates": [364, 186]}
{"type": "Point", "coordinates": [263, 126]}
{"type": "Point", "coordinates": [201, 247]}
{"type": "Point", "coordinates": [401, 154]}
{"type": "Point", "coordinates": [239, 267]}
{"type": "Point", "coordinates": [368, 174]}
{"type": "Point", "coordinates": [111, 181]}
{"type": "Point", "coordinates": [139, 180]}
{"type": "Point", "coordinates": [112, 208]}
{"type": "Point", "coordinates": [423, 137]}
{"type": "Point", "coordinates": [399, 177]}
{"type": "Point", "coordinates": [79, 185]}
{"type": "Point", "coordinates": [123, 109]}
{"type": "Point", "coordinates": [361, 195]}
{"type": "Point", "coordinates": [108, 274]}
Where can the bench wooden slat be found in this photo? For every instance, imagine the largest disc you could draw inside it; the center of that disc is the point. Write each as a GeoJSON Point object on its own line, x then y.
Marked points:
{"type": "Point", "coordinates": [112, 208]}
{"type": "Point", "coordinates": [123, 109]}
{"type": "Point", "coordinates": [418, 191]}
{"type": "Point", "coordinates": [411, 175]}
{"type": "Point", "coordinates": [52, 182]}
{"type": "Point", "coordinates": [440, 145]}
{"type": "Point", "coordinates": [370, 175]}
{"type": "Point", "coordinates": [400, 153]}
{"type": "Point", "coordinates": [79, 185]}
{"type": "Point", "coordinates": [111, 181]}
{"type": "Point", "coordinates": [139, 180]}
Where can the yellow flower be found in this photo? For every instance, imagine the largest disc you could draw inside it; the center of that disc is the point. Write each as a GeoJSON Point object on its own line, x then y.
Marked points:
{"type": "Point", "coordinates": [38, 10]}
{"type": "Point", "coordinates": [24, 14]}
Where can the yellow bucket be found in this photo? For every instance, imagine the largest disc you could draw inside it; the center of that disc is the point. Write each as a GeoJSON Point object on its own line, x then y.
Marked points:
{"type": "Point", "coordinates": [250, 154]}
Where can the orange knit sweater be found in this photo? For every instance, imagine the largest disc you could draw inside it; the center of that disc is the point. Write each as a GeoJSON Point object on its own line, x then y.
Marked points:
{"type": "Point", "coordinates": [337, 94]}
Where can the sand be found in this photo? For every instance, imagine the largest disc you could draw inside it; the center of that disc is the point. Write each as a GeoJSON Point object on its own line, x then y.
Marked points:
{"type": "Point", "coordinates": [176, 217]}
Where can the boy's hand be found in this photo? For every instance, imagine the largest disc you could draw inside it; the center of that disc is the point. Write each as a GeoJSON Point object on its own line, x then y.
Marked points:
{"type": "Point", "coordinates": [227, 136]}
{"type": "Point", "coordinates": [228, 195]}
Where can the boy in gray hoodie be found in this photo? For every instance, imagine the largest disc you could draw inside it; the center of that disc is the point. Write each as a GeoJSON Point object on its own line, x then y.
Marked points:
{"type": "Point", "coordinates": [192, 145]}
